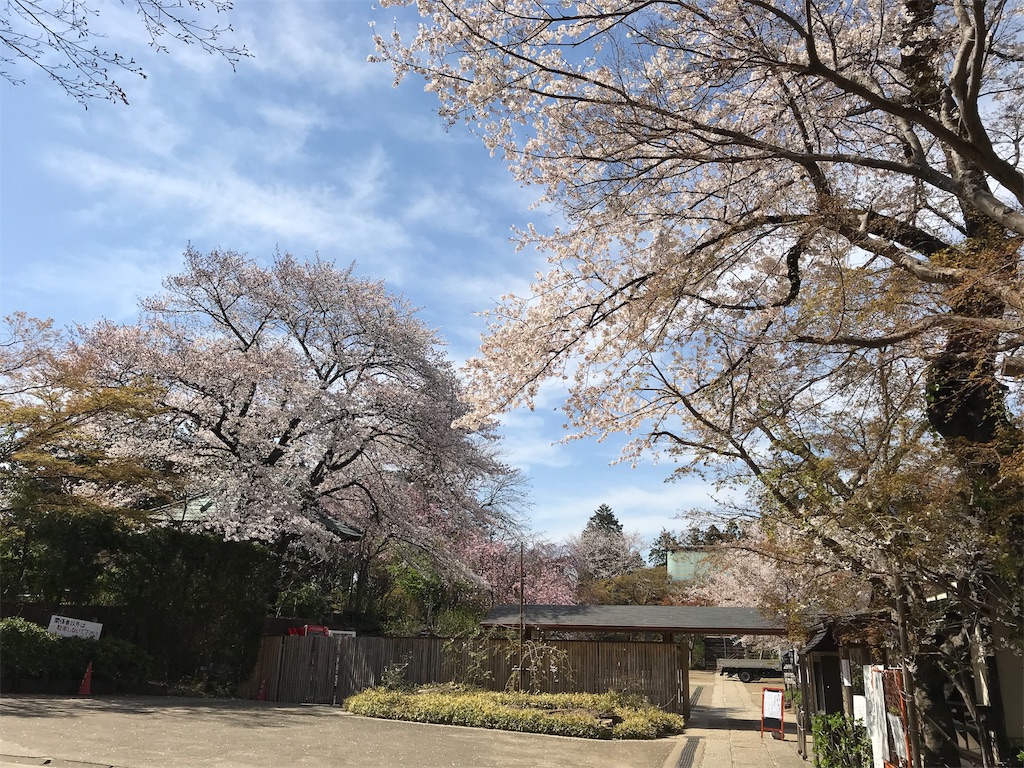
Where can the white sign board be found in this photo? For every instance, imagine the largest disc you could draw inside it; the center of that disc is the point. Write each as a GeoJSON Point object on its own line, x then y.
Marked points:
{"type": "Point", "coordinates": [874, 715]}
{"type": "Point", "coordinates": [772, 704]}
{"type": "Point", "coordinates": [68, 627]}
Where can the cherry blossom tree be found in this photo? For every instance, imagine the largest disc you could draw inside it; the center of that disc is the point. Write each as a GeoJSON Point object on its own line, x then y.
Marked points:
{"type": "Point", "coordinates": [791, 254]}
{"type": "Point", "coordinates": [540, 569]}
{"type": "Point", "coordinates": [299, 394]}
{"type": "Point", "coordinates": [63, 41]}
{"type": "Point", "coordinates": [603, 551]}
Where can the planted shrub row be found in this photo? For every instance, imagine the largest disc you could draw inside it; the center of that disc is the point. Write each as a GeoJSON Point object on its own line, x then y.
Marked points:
{"type": "Point", "coordinates": [591, 716]}
{"type": "Point", "coordinates": [29, 652]}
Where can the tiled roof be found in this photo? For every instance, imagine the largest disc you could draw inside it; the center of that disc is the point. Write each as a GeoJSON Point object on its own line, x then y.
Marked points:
{"type": "Point", "coordinates": [639, 618]}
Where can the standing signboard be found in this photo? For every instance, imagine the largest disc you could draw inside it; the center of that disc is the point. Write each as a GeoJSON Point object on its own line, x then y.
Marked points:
{"type": "Point", "coordinates": [773, 711]}
{"type": "Point", "coordinates": [68, 627]}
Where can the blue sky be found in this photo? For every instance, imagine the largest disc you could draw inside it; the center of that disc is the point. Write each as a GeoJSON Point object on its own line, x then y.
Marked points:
{"type": "Point", "coordinates": [306, 148]}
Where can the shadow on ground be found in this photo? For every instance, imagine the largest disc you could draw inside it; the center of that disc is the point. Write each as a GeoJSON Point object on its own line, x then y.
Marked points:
{"type": "Point", "coordinates": [234, 712]}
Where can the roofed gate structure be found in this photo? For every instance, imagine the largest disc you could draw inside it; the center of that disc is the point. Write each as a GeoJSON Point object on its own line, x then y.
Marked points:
{"type": "Point", "coordinates": [665, 620]}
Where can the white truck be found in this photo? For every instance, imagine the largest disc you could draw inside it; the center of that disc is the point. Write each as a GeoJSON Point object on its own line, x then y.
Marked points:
{"type": "Point", "coordinates": [749, 670]}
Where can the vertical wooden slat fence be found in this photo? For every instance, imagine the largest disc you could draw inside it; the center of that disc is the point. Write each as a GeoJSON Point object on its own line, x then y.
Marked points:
{"type": "Point", "coordinates": [321, 670]}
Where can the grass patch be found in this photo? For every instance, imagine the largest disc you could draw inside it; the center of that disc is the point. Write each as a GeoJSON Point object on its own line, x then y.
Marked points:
{"type": "Point", "coordinates": [586, 715]}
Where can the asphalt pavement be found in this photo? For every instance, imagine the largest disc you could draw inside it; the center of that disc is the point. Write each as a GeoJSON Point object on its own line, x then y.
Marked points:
{"type": "Point", "coordinates": [164, 732]}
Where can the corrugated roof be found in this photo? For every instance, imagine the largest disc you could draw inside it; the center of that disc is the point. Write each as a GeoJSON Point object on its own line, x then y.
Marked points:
{"type": "Point", "coordinates": [710, 620]}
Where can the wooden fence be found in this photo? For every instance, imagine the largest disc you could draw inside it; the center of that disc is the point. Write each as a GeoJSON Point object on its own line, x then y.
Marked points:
{"type": "Point", "coordinates": [322, 670]}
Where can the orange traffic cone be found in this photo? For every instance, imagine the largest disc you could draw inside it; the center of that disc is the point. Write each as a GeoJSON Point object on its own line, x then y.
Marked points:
{"type": "Point", "coordinates": [85, 689]}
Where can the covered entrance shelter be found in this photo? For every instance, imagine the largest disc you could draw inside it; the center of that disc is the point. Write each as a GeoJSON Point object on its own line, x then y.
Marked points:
{"type": "Point", "coordinates": [668, 621]}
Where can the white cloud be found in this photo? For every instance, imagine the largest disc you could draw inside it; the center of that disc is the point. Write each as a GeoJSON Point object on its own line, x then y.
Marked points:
{"type": "Point", "coordinates": [310, 42]}
{"type": "Point", "coordinates": [643, 503]}
{"type": "Point", "coordinates": [285, 130]}
{"type": "Point", "coordinates": [528, 439]}
{"type": "Point", "coordinates": [220, 202]}
{"type": "Point", "coordinates": [110, 281]}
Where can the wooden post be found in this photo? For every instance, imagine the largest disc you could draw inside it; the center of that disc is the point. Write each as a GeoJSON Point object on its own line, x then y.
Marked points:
{"type": "Point", "coordinates": [684, 671]}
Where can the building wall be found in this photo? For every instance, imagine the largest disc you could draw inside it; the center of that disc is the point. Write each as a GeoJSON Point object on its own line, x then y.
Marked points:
{"type": "Point", "coordinates": [687, 564]}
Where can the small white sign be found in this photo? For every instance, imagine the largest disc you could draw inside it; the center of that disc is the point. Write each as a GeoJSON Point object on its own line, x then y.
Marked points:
{"type": "Point", "coordinates": [772, 704]}
{"type": "Point", "coordinates": [860, 708]}
{"type": "Point", "coordinates": [844, 672]}
{"type": "Point", "coordinates": [68, 627]}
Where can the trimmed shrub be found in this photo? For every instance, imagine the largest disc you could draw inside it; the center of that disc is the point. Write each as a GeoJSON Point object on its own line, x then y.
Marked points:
{"type": "Point", "coordinates": [29, 652]}
{"type": "Point", "coordinates": [574, 714]}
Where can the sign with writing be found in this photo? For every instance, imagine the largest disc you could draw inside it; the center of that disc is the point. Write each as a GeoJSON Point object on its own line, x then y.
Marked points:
{"type": "Point", "coordinates": [772, 705]}
{"type": "Point", "coordinates": [68, 627]}
{"type": "Point", "coordinates": [772, 709]}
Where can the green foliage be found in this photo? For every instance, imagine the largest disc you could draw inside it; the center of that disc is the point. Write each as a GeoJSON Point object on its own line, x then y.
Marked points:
{"type": "Point", "coordinates": [697, 653]}
{"type": "Point", "coordinates": [604, 520]}
{"type": "Point", "coordinates": [840, 742]}
{"type": "Point", "coordinates": [197, 603]}
{"type": "Point", "coordinates": [28, 651]}
{"type": "Point", "coordinates": [56, 555]}
{"type": "Point", "coordinates": [697, 537]}
{"type": "Point", "coordinates": [592, 716]}
{"type": "Point", "coordinates": [193, 601]}
{"type": "Point", "coordinates": [457, 621]}
{"type": "Point", "coordinates": [660, 547]}
{"type": "Point", "coordinates": [643, 586]}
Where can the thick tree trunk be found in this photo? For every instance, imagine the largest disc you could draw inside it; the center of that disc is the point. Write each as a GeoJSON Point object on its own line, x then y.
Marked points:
{"type": "Point", "coordinates": [937, 729]}
{"type": "Point", "coordinates": [967, 407]}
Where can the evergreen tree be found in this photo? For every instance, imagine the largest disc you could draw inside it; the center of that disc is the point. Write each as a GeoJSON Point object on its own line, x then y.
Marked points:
{"type": "Point", "coordinates": [660, 548]}
{"type": "Point", "coordinates": [604, 520]}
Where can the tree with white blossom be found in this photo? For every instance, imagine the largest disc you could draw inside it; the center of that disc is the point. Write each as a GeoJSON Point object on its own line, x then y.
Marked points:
{"type": "Point", "coordinates": [299, 394]}
{"type": "Point", "coordinates": [791, 253]}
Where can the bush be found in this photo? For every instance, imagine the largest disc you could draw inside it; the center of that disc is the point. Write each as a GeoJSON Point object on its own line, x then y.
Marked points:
{"type": "Point", "coordinates": [29, 652]}
{"type": "Point", "coordinates": [574, 714]}
{"type": "Point", "coordinates": [840, 742]}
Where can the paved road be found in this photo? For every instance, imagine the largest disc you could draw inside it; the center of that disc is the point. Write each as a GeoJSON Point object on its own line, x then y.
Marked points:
{"type": "Point", "coordinates": [133, 732]}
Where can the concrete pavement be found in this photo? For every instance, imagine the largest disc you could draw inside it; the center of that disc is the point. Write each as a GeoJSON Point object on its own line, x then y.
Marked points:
{"type": "Point", "coordinates": [157, 732]}
{"type": "Point", "coordinates": [724, 728]}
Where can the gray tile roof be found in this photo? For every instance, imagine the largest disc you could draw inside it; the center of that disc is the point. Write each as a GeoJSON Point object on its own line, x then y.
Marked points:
{"type": "Point", "coordinates": [639, 618]}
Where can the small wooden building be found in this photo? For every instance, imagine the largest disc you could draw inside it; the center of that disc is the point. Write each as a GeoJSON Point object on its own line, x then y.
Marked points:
{"type": "Point", "coordinates": [672, 624]}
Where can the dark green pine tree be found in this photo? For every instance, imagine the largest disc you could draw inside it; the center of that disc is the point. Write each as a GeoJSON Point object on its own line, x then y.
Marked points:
{"type": "Point", "coordinates": [660, 547]}
{"type": "Point", "coordinates": [603, 520]}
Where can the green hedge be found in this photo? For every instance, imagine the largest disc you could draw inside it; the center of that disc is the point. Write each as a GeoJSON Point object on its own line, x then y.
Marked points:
{"type": "Point", "coordinates": [840, 742]}
{"type": "Point", "coordinates": [29, 652]}
{"type": "Point", "coordinates": [587, 716]}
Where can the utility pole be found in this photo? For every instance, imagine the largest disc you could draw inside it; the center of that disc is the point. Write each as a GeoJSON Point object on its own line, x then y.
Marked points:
{"type": "Point", "coordinates": [522, 609]}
